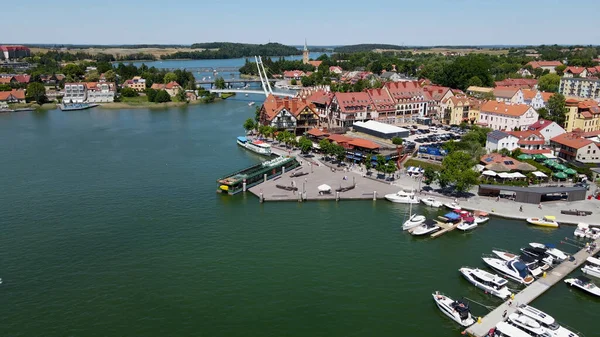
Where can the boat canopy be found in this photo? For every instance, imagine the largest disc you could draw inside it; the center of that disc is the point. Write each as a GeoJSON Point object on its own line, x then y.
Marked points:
{"type": "Point", "coordinates": [430, 223]}
{"type": "Point", "coordinates": [584, 279]}
{"type": "Point", "coordinates": [521, 268]}
{"type": "Point", "coordinates": [242, 139]}
{"type": "Point", "coordinates": [469, 219]}
{"type": "Point", "coordinates": [549, 217]}
{"type": "Point", "coordinates": [452, 216]}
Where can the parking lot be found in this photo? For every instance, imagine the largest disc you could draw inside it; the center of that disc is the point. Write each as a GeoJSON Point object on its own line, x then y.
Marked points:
{"type": "Point", "coordinates": [434, 136]}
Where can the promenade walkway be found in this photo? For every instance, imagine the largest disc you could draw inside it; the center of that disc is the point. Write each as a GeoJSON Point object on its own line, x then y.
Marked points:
{"type": "Point", "coordinates": [530, 293]}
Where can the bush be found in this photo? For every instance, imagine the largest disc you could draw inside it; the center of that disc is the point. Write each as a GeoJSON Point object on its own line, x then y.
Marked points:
{"type": "Point", "coordinates": [162, 97]}
{"type": "Point", "coordinates": [128, 92]}
{"type": "Point", "coordinates": [151, 94]}
{"type": "Point", "coordinates": [397, 141]}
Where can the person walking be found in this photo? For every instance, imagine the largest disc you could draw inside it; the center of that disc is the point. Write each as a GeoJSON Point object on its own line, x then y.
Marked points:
{"type": "Point", "coordinates": [521, 209]}
{"type": "Point", "coordinates": [504, 313]}
{"type": "Point", "coordinates": [540, 206]}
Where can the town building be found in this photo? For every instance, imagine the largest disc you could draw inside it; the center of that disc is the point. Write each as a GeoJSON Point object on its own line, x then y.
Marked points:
{"type": "Point", "coordinates": [505, 116]}
{"type": "Point", "coordinates": [410, 99]}
{"type": "Point", "coordinates": [583, 115]}
{"type": "Point", "coordinates": [103, 92]}
{"type": "Point", "coordinates": [13, 52]}
{"type": "Point", "coordinates": [572, 147]}
{"type": "Point", "coordinates": [287, 113]}
{"type": "Point", "coordinates": [349, 107]}
{"type": "Point", "coordinates": [437, 95]}
{"type": "Point", "coordinates": [136, 83]}
{"type": "Point", "coordinates": [305, 53]}
{"type": "Point", "coordinates": [336, 70]}
{"type": "Point", "coordinates": [530, 142]}
{"type": "Point", "coordinates": [509, 95]}
{"type": "Point", "coordinates": [548, 129]}
{"type": "Point", "coordinates": [293, 74]}
{"type": "Point", "coordinates": [535, 98]}
{"type": "Point", "coordinates": [522, 83]}
{"type": "Point", "coordinates": [321, 100]}
{"type": "Point", "coordinates": [75, 93]}
{"type": "Point", "coordinates": [384, 105]}
{"type": "Point", "coordinates": [172, 88]}
{"type": "Point", "coordinates": [580, 87]}
{"type": "Point", "coordinates": [380, 130]}
{"type": "Point", "coordinates": [545, 65]}
{"type": "Point", "coordinates": [498, 140]}
{"type": "Point", "coordinates": [13, 96]}
{"type": "Point", "coordinates": [455, 110]}
{"type": "Point", "coordinates": [571, 72]}
{"type": "Point", "coordinates": [315, 64]}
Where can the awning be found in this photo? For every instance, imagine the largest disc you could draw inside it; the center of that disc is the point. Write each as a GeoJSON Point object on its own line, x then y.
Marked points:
{"type": "Point", "coordinates": [479, 168]}
{"type": "Point", "coordinates": [504, 175]}
{"type": "Point", "coordinates": [539, 174]}
{"type": "Point", "coordinates": [452, 216]}
{"type": "Point", "coordinates": [489, 173]}
{"type": "Point", "coordinates": [517, 175]}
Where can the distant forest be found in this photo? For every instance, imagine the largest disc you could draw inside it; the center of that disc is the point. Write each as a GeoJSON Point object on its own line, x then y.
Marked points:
{"type": "Point", "coordinates": [356, 48]}
{"type": "Point", "coordinates": [228, 50]}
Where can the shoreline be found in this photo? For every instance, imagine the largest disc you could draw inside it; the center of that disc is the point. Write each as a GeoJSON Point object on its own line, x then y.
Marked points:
{"type": "Point", "coordinates": [151, 105]}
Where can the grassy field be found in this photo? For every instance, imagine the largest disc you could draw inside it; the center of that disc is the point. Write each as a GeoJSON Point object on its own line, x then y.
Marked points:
{"type": "Point", "coordinates": [446, 50]}
{"type": "Point", "coordinates": [422, 164]}
{"type": "Point", "coordinates": [157, 52]}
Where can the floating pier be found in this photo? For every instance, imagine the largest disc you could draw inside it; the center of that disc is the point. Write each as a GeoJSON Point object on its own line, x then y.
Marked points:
{"type": "Point", "coordinates": [446, 227]}
{"type": "Point", "coordinates": [527, 295]}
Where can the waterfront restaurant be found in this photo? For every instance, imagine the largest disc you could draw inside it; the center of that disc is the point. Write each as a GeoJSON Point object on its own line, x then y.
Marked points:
{"type": "Point", "coordinates": [533, 195]}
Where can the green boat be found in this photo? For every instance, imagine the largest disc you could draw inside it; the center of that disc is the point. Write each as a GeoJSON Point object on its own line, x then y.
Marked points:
{"type": "Point", "coordinates": [254, 175]}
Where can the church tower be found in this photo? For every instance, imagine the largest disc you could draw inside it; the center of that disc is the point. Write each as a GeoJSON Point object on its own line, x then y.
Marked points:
{"type": "Point", "coordinates": [305, 53]}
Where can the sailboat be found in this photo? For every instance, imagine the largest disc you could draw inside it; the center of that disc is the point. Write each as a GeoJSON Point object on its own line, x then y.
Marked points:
{"type": "Point", "coordinates": [414, 220]}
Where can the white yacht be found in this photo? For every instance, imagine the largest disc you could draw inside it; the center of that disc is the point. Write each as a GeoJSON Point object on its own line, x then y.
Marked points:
{"type": "Point", "coordinates": [532, 264]}
{"type": "Point", "coordinates": [431, 202]}
{"type": "Point", "coordinates": [467, 224]}
{"type": "Point", "coordinates": [256, 146]}
{"type": "Point", "coordinates": [481, 217]}
{"type": "Point", "coordinates": [251, 104]}
{"type": "Point", "coordinates": [581, 230]}
{"type": "Point", "coordinates": [593, 268]}
{"type": "Point", "coordinates": [545, 321]}
{"type": "Point", "coordinates": [514, 269]}
{"type": "Point", "coordinates": [458, 311]}
{"type": "Point", "coordinates": [403, 197]}
{"type": "Point", "coordinates": [415, 220]}
{"type": "Point", "coordinates": [490, 283]}
{"type": "Point", "coordinates": [504, 329]}
{"type": "Point", "coordinates": [540, 254]}
{"type": "Point", "coordinates": [584, 284]}
{"type": "Point", "coordinates": [429, 226]}
{"type": "Point", "coordinates": [453, 205]}
{"type": "Point", "coordinates": [528, 325]}
{"type": "Point", "coordinates": [557, 254]}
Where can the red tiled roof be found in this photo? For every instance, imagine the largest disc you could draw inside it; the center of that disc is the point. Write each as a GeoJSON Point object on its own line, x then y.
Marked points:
{"type": "Point", "coordinates": [575, 70]}
{"type": "Point", "coordinates": [157, 86]}
{"type": "Point", "coordinates": [363, 143]}
{"type": "Point", "coordinates": [320, 97]}
{"type": "Point", "coordinates": [351, 102]}
{"type": "Point", "coordinates": [536, 151]}
{"type": "Point", "coordinates": [529, 94]}
{"type": "Point", "coordinates": [293, 73]}
{"type": "Point", "coordinates": [528, 137]}
{"type": "Point", "coordinates": [340, 139]}
{"type": "Point", "coordinates": [405, 90]}
{"type": "Point", "coordinates": [540, 124]}
{"type": "Point", "coordinates": [172, 85]}
{"type": "Point", "coordinates": [572, 139]}
{"type": "Point", "coordinates": [517, 82]}
{"type": "Point", "coordinates": [317, 133]}
{"type": "Point", "coordinates": [13, 48]}
{"type": "Point", "coordinates": [502, 108]}
{"type": "Point", "coordinates": [436, 92]}
{"type": "Point", "coordinates": [5, 80]}
{"type": "Point", "coordinates": [332, 68]}
{"type": "Point", "coordinates": [382, 100]}
{"type": "Point", "coordinates": [492, 158]}
{"type": "Point", "coordinates": [17, 94]}
{"type": "Point", "coordinates": [539, 64]}
{"type": "Point", "coordinates": [273, 106]}
{"type": "Point", "coordinates": [315, 64]}
{"type": "Point", "coordinates": [505, 92]}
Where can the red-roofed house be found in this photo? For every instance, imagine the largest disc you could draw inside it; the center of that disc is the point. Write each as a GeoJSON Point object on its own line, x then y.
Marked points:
{"type": "Point", "coordinates": [172, 88]}
{"type": "Point", "coordinates": [13, 96]}
{"type": "Point", "coordinates": [23, 79]}
{"type": "Point", "coordinates": [455, 110]}
{"type": "Point", "coordinates": [293, 74]}
{"type": "Point", "coordinates": [535, 98]}
{"type": "Point", "coordinates": [348, 107]}
{"type": "Point", "coordinates": [315, 64]}
{"type": "Point", "coordinates": [321, 100]}
{"type": "Point", "coordinates": [509, 95]}
{"type": "Point", "coordinates": [438, 94]}
{"type": "Point", "coordinates": [545, 65]}
{"type": "Point", "coordinates": [530, 141]}
{"type": "Point", "coordinates": [13, 52]}
{"type": "Point", "coordinates": [571, 146]}
{"type": "Point", "coordinates": [384, 104]}
{"type": "Point", "coordinates": [548, 129]}
{"type": "Point", "coordinates": [522, 83]}
{"type": "Point", "coordinates": [584, 115]}
{"type": "Point", "coordinates": [503, 116]}
{"type": "Point", "coordinates": [336, 70]}
{"type": "Point", "coordinates": [288, 113]}
{"type": "Point", "coordinates": [575, 72]}
{"type": "Point", "coordinates": [410, 98]}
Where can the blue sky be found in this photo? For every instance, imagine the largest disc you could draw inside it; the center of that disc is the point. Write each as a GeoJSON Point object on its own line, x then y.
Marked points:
{"type": "Point", "coordinates": [324, 22]}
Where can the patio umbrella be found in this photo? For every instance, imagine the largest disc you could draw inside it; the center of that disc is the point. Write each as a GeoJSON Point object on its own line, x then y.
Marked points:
{"type": "Point", "coordinates": [524, 156]}
{"type": "Point", "coordinates": [549, 162]}
{"type": "Point", "coordinates": [560, 175]}
{"type": "Point", "coordinates": [570, 171]}
{"type": "Point", "coordinates": [560, 167]}
{"type": "Point", "coordinates": [489, 173]}
{"type": "Point", "coordinates": [539, 157]}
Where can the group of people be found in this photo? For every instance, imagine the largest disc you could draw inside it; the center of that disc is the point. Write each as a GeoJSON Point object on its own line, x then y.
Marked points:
{"type": "Point", "coordinates": [590, 247]}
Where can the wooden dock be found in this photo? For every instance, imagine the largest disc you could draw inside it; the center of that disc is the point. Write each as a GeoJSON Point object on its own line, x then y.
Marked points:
{"type": "Point", "coordinates": [527, 295]}
{"type": "Point", "coordinates": [446, 227]}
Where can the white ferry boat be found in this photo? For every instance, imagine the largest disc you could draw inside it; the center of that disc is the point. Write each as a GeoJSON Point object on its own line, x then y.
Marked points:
{"type": "Point", "coordinates": [256, 146]}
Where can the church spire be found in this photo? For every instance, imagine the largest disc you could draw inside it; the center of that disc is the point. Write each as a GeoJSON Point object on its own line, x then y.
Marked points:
{"type": "Point", "coordinates": [305, 45]}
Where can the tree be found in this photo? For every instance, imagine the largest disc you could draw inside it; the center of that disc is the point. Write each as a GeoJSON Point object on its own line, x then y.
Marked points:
{"type": "Point", "coordinates": [162, 96]}
{"type": "Point", "coordinates": [307, 81]}
{"type": "Point", "coordinates": [380, 166]}
{"type": "Point", "coordinates": [257, 114]}
{"type": "Point", "coordinates": [516, 152]}
{"type": "Point", "coordinates": [305, 144]}
{"type": "Point", "coordinates": [294, 82]}
{"type": "Point", "coordinates": [457, 170]}
{"type": "Point", "coordinates": [549, 82]}
{"type": "Point", "coordinates": [220, 83]}
{"type": "Point", "coordinates": [475, 81]}
{"type": "Point", "coordinates": [430, 175]}
{"type": "Point", "coordinates": [128, 92]}
{"type": "Point", "coordinates": [110, 76]}
{"type": "Point", "coordinates": [556, 109]}
{"type": "Point", "coordinates": [397, 141]}
{"type": "Point", "coordinates": [489, 96]}
{"type": "Point", "coordinates": [560, 69]}
{"type": "Point", "coordinates": [5, 87]}
{"type": "Point", "coordinates": [151, 94]}
{"type": "Point", "coordinates": [325, 146]}
{"type": "Point", "coordinates": [181, 97]}
{"type": "Point", "coordinates": [169, 77]}
{"type": "Point", "coordinates": [543, 113]}
{"type": "Point", "coordinates": [249, 124]}
{"type": "Point", "coordinates": [36, 92]}
{"type": "Point", "coordinates": [390, 167]}
{"type": "Point", "coordinates": [368, 164]}
{"type": "Point", "coordinates": [504, 151]}
{"type": "Point", "coordinates": [72, 70]}
{"type": "Point", "coordinates": [92, 76]}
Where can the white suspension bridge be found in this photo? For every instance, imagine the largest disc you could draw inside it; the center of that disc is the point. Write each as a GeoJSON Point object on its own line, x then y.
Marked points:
{"type": "Point", "coordinates": [264, 81]}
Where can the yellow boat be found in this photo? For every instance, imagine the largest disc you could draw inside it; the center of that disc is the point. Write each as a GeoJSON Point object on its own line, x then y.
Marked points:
{"type": "Point", "coordinates": [546, 221]}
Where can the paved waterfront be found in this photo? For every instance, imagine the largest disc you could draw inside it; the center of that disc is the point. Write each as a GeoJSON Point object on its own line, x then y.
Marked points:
{"type": "Point", "coordinates": [530, 293]}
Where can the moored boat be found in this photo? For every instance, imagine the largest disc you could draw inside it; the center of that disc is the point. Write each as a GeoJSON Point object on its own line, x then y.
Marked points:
{"type": "Point", "coordinates": [481, 217]}
{"type": "Point", "coordinates": [584, 284]}
{"type": "Point", "coordinates": [429, 226]}
{"type": "Point", "coordinates": [256, 146]}
{"type": "Point", "coordinates": [458, 310]}
{"type": "Point", "coordinates": [514, 269]}
{"type": "Point", "coordinates": [414, 221]}
{"type": "Point", "coordinates": [535, 267]}
{"type": "Point", "coordinates": [593, 268]}
{"type": "Point", "coordinates": [490, 283]}
{"type": "Point", "coordinates": [467, 224]}
{"type": "Point", "coordinates": [545, 320]}
{"type": "Point", "coordinates": [527, 324]}
{"type": "Point", "coordinates": [402, 197]}
{"type": "Point", "coordinates": [453, 205]}
{"type": "Point", "coordinates": [504, 329]}
{"type": "Point", "coordinates": [540, 254]}
{"type": "Point", "coordinates": [431, 202]}
{"type": "Point", "coordinates": [546, 221]}
{"type": "Point", "coordinates": [556, 253]}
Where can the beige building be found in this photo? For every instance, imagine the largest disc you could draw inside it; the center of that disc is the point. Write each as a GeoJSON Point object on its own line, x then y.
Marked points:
{"type": "Point", "coordinates": [571, 146]}
{"type": "Point", "coordinates": [583, 115]}
{"type": "Point", "coordinates": [455, 110]}
{"type": "Point", "coordinates": [509, 95]}
{"type": "Point", "coordinates": [136, 83]}
{"type": "Point", "coordinates": [580, 87]}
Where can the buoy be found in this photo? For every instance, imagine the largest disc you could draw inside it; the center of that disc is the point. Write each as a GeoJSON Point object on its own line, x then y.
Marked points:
{"type": "Point", "coordinates": [479, 320]}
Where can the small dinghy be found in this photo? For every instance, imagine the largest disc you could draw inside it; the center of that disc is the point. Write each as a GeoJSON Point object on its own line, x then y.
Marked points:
{"type": "Point", "coordinates": [467, 224]}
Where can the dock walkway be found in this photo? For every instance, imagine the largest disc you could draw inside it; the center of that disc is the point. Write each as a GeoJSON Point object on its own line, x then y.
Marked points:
{"type": "Point", "coordinates": [527, 295]}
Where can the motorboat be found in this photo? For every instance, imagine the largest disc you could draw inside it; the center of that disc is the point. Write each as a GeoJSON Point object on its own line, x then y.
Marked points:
{"type": "Point", "coordinates": [546, 221]}
{"type": "Point", "coordinates": [593, 268]}
{"type": "Point", "coordinates": [467, 224]}
{"type": "Point", "coordinates": [458, 310]}
{"type": "Point", "coordinates": [545, 321]}
{"type": "Point", "coordinates": [431, 202]}
{"type": "Point", "coordinates": [481, 217]}
{"type": "Point", "coordinates": [429, 226]}
{"type": "Point", "coordinates": [255, 146]}
{"type": "Point", "coordinates": [584, 284]}
{"type": "Point", "coordinates": [528, 325]}
{"type": "Point", "coordinates": [246, 95]}
{"type": "Point", "coordinates": [251, 104]}
{"type": "Point", "coordinates": [490, 283]}
{"type": "Point", "coordinates": [532, 264]}
{"type": "Point", "coordinates": [582, 230]}
{"type": "Point", "coordinates": [540, 254]}
{"type": "Point", "coordinates": [594, 233]}
{"type": "Point", "coordinates": [557, 254]}
{"type": "Point", "coordinates": [504, 329]}
{"type": "Point", "coordinates": [402, 197]}
{"type": "Point", "coordinates": [453, 206]}
{"type": "Point", "coordinates": [514, 269]}
{"type": "Point", "coordinates": [414, 221]}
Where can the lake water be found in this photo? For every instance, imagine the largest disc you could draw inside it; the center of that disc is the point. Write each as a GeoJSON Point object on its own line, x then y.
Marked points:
{"type": "Point", "coordinates": [111, 227]}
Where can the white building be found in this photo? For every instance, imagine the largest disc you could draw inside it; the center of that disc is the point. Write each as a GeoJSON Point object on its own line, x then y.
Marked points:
{"type": "Point", "coordinates": [503, 116]}
{"type": "Point", "coordinates": [548, 129]}
{"type": "Point", "coordinates": [100, 92]}
{"type": "Point", "coordinates": [498, 140]}
{"type": "Point", "coordinates": [75, 93]}
{"type": "Point", "coordinates": [535, 98]}
{"type": "Point", "coordinates": [509, 95]}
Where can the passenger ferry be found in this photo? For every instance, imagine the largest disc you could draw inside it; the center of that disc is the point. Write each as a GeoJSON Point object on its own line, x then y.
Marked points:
{"type": "Point", "coordinates": [254, 175]}
{"type": "Point", "coordinates": [256, 146]}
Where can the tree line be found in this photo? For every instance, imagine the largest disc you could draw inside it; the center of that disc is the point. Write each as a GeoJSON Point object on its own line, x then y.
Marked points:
{"type": "Point", "coordinates": [227, 50]}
